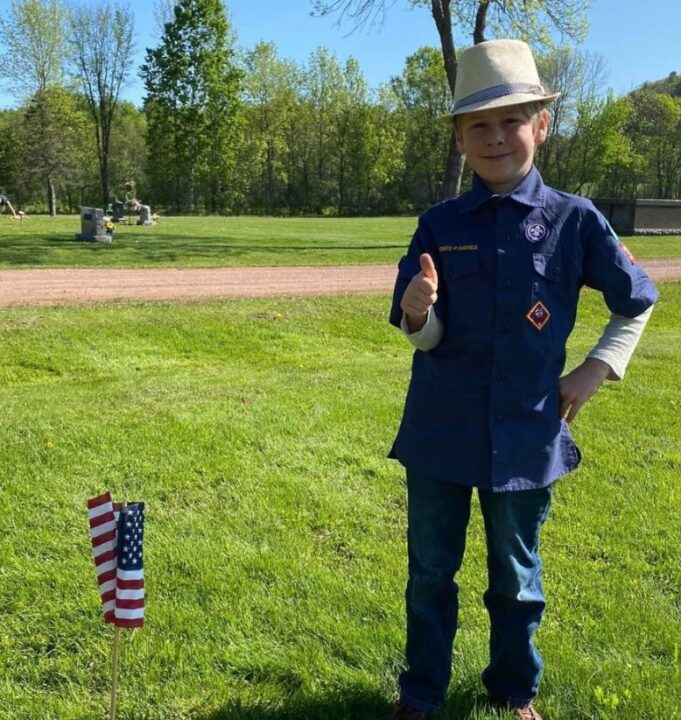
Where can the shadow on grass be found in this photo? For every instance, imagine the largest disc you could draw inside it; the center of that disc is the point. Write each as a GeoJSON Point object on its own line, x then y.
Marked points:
{"type": "Point", "coordinates": [468, 704]}
{"type": "Point", "coordinates": [61, 252]}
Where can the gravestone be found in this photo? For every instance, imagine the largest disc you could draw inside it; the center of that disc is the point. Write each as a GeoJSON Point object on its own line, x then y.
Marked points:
{"type": "Point", "coordinates": [145, 216]}
{"type": "Point", "coordinates": [117, 210]}
{"type": "Point", "coordinates": [92, 226]}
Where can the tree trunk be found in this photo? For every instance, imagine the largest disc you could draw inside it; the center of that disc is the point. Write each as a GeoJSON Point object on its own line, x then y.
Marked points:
{"type": "Point", "coordinates": [51, 197]}
{"type": "Point", "coordinates": [480, 22]}
{"type": "Point", "coordinates": [451, 185]}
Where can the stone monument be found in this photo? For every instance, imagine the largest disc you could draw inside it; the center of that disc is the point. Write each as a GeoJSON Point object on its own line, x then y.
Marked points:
{"type": "Point", "coordinates": [145, 215]}
{"type": "Point", "coordinates": [92, 226]}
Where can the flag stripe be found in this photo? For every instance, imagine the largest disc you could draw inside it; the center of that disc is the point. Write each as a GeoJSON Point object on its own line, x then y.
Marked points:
{"type": "Point", "coordinates": [103, 529]}
{"type": "Point", "coordinates": [129, 613]}
{"type": "Point", "coordinates": [130, 574]}
{"type": "Point", "coordinates": [106, 547]}
{"type": "Point", "coordinates": [123, 622]}
{"type": "Point", "coordinates": [101, 568]}
{"type": "Point", "coordinates": [99, 500]}
{"type": "Point", "coordinates": [103, 519]}
{"type": "Point", "coordinates": [105, 538]}
{"type": "Point", "coordinates": [104, 557]}
{"type": "Point", "coordinates": [122, 604]}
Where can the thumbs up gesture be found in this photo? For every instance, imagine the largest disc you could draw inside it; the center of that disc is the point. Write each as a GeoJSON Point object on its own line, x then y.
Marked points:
{"type": "Point", "coordinates": [421, 294]}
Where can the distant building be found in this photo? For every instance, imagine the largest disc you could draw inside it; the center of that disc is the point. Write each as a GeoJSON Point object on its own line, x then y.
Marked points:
{"type": "Point", "coordinates": [641, 216]}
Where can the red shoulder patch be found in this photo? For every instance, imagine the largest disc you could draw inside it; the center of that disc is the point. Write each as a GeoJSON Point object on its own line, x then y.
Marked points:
{"type": "Point", "coordinates": [627, 252]}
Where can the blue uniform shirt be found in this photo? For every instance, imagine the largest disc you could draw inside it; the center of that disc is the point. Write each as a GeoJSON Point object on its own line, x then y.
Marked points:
{"type": "Point", "coordinates": [482, 407]}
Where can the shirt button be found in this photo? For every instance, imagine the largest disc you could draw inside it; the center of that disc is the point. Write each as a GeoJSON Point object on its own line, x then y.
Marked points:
{"type": "Point", "coordinates": [503, 376]}
{"type": "Point", "coordinates": [505, 329]}
{"type": "Point", "coordinates": [556, 271]}
{"type": "Point", "coordinates": [506, 285]}
{"type": "Point", "coordinates": [498, 418]}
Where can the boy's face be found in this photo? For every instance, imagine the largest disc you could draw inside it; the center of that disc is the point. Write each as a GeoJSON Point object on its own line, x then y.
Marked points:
{"type": "Point", "coordinates": [499, 143]}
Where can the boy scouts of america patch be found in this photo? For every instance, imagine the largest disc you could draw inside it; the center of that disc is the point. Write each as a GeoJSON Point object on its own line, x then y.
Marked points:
{"type": "Point", "coordinates": [535, 232]}
{"type": "Point", "coordinates": [538, 315]}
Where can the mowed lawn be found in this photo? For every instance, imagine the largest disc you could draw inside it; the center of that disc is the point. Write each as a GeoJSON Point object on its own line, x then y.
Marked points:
{"type": "Point", "coordinates": [256, 432]}
{"type": "Point", "coordinates": [42, 241]}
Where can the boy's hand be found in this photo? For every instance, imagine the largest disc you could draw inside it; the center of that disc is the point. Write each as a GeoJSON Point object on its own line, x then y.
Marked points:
{"type": "Point", "coordinates": [577, 387]}
{"type": "Point", "coordinates": [420, 295]}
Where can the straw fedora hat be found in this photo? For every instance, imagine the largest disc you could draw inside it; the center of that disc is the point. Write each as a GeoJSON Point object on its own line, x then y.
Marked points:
{"type": "Point", "coordinates": [494, 74]}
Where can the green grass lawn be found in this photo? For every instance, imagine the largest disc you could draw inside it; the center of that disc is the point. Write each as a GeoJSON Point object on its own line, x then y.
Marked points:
{"type": "Point", "coordinates": [42, 241]}
{"type": "Point", "coordinates": [256, 432]}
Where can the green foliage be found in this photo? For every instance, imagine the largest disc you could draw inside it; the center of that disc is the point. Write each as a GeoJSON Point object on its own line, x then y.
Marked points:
{"type": "Point", "coordinates": [35, 41]}
{"type": "Point", "coordinates": [13, 181]}
{"type": "Point", "coordinates": [55, 131]}
{"type": "Point", "coordinates": [671, 85]}
{"type": "Point", "coordinates": [422, 95]}
{"type": "Point", "coordinates": [192, 109]}
{"type": "Point", "coordinates": [655, 128]}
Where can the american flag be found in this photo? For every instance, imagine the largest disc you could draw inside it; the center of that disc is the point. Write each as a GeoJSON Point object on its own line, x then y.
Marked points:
{"type": "Point", "coordinates": [129, 610]}
{"type": "Point", "coordinates": [117, 532]}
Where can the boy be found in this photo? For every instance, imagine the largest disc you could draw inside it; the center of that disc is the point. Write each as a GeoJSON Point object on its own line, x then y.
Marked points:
{"type": "Point", "coordinates": [488, 294]}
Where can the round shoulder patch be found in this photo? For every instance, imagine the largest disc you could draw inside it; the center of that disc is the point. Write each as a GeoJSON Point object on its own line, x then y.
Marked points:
{"type": "Point", "coordinates": [536, 232]}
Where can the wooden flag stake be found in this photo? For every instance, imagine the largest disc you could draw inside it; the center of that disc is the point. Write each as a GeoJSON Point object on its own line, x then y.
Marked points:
{"type": "Point", "coordinates": [114, 681]}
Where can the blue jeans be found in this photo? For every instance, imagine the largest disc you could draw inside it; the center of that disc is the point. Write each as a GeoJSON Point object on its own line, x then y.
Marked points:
{"type": "Point", "coordinates": [438, 517]}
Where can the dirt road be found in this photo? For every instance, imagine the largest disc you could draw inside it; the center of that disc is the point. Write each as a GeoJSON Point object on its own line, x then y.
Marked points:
{"type": "Point", "coordinates": [67, 286]}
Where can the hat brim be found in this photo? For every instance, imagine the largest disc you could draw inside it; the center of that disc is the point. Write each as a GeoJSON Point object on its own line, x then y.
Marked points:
{"type": "Point", "coordinates": [506, 100]}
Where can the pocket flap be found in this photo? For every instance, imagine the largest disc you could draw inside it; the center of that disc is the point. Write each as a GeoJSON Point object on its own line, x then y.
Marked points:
{"type": "Point", "coordinates": [548, 266]}
{"type": "Point", "coordinates": [461, 263]}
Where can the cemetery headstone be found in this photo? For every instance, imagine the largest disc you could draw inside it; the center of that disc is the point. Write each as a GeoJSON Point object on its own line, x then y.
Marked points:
{"type": "Point", "coordinates": [145, 215]}
{"type": "Point", "coordinates": [92, 226]}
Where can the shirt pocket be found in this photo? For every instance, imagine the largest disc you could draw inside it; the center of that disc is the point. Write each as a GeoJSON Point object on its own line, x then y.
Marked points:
{"type": "Point", "coordinates": [547, 267]}
{"type": "Point", "coordinates": [460, 264]}
{"type": "Point", "coordinates": [465, 292]}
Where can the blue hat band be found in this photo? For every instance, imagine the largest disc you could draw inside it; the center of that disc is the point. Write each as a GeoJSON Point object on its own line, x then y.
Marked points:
{"type": "Point", "coordinates": [496, 92]}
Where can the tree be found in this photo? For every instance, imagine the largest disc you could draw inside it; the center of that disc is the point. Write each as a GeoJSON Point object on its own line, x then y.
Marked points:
{"type": "Point", "coordinates": [270, 97]}
{"type": "Point", "coordinates": [655, 129]}
{"type": "Point", "coordinates": [36, 50]}
{"type": "Point", "coordinates": [529, 20]}
{"type": "Point", "coordinates": [128, 159]}
{"type": "Point", "coordinates": [54, 150]}
{"type": "Point", "coordinates": [580, 79]}
{"type": "Point", "coordinates": [35, 40]}
{"type": "Point", "coordinates": [192, 107]}
{"type": "Point", "coordinates": [102, 56]}
{"type": "Point", "coordinates": [422, 94]}
{"type": "Point", "coordinates": [13, 179]}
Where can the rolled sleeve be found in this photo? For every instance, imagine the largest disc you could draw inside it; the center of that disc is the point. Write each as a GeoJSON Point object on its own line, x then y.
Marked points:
{"type": "Point", "coordinates": [619, 340]}
{"type": "Point", "coordinates": [428, 336]}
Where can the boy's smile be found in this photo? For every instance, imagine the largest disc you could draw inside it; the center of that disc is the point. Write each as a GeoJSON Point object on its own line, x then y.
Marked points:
{"type": "Point", "coordinates": [499, 143]}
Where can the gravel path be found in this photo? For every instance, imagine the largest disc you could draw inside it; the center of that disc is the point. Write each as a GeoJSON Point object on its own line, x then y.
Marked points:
{"type": "Point", "coordinates": [61, 287]}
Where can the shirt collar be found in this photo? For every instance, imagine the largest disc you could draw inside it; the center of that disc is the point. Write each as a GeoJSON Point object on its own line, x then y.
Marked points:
{"type": "Point", "coordinates": [531, 192]}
